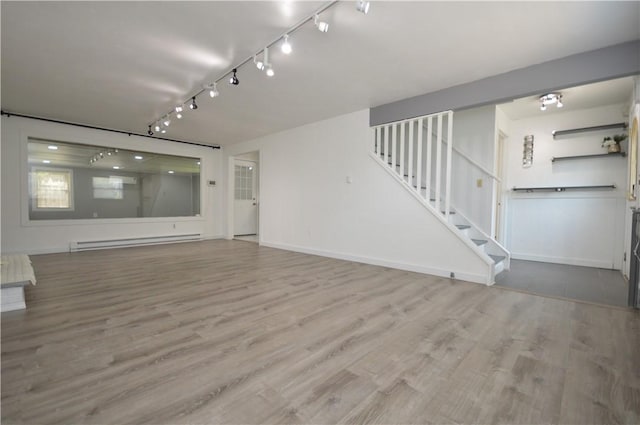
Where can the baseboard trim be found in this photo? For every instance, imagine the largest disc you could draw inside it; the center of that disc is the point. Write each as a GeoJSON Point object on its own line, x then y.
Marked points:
{"type": "Point", "coordinates": [65, 249]}
{"type": "Point", "coordinates": [561, 260]}
{"type": "Point", "coordinates": [469, 277]}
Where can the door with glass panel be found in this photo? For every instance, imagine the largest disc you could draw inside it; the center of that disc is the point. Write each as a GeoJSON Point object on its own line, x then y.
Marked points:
{"type": "Point", "coordinates": [245, 204]}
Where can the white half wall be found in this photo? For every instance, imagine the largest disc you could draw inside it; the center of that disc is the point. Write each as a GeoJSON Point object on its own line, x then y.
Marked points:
{"type": "Point", "coordinates": [572, 227]}
{"type": "Point", "coordinates": [19, 235]}
{"type": "Point", "coordinates": [321, 193]}
{"type": "Point", "coordinates": [474, 134]}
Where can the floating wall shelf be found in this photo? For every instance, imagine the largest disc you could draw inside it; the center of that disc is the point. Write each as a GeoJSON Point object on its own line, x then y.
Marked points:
{"type": "Point", "coordinates": [562, 188]}
{"type": "Point", "coordinates": [557, 133]}
{"type": "Point", "coordinates": [597, 155]}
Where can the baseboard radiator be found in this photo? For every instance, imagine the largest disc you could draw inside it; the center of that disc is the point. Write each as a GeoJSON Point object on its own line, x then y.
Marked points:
{"type": "Point", "coordinates": [76, 246]}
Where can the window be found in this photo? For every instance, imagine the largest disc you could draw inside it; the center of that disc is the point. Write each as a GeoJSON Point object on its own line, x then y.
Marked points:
{"type": "Point", "coordinates": [244, 182]}
{"type": "Point", "coordinates": [108, 187]}
{"type": "Point", "coordinates": [53, 189]}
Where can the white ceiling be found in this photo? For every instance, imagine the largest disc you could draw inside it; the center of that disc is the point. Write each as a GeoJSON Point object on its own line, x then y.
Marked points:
{"type": "Point", "coordinates": [122, 65]}
{"type": "Point", "coordinates": [604, 93]}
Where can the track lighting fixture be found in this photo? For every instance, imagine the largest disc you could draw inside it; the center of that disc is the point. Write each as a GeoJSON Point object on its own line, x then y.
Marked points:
{"type": "Point", "coordinates": [321, 25]}
{"type": "Point", "coordinates": [213, 90]}
{"type": "Point", "coordinates": [270, 72]}
{"type": "Point", "coordinates": [550, 99]}
{"type": "Point", "coordinates": [267, 64]}
{"type": "Point", "coordinates": [363, 6]}
{"type": "Point", "coordinates": [234, 78]}
{"type": "Point", "coordinates": [258, 62]}
{"type": "Point", "coordinates": [286, 46]}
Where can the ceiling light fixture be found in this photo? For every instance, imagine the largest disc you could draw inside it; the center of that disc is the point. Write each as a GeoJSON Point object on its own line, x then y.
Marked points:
{"type": "Point", "coordinates": [321, 25]}
{"type": "Point", "coordinates": [46, 161]}
{"type": "Point", "coordinates": [170, 171]}
{"type": "Point", "coordinates": [166, 121]}
{"type": "Point", "coordinates": [234, 78]}
{"type": "Point", "coordinates": [263, 65]}
{"type": "Point", "coordinates": [550, 99]}
{"type": "Point", "coordinates": [258, 62]}
{"type": "Point", "coordinates": [137, 157]}
{"type": "Point", "coordinates": [267, 64]}
{"type": "Point", "coordinates": [363, 6]}
{"type": "Point", "coordinates": [52, 147]}
{"type": "Point", "coordinates": [116, 167]}
{"type": "Point", "coordinates": [150, 132]}
{"type": "Point", "coordinates": [286, 46]}
{"type": "Point", "coordinates": [213, 90]}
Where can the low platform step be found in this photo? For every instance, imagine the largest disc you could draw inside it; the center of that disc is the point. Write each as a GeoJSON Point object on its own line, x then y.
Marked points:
{"type": "Point", "coordinates": [479, 242]}
{"type": "Point", "coordinates": [497, 258]}
{"type": "Point", "coordinates": [463, 226]}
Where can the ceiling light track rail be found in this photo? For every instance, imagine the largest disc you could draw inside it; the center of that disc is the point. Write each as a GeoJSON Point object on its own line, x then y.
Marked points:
{"type": "Point", "coordinates": [93, 127]}
{"type": "Point", "coordinates": [230, 73]}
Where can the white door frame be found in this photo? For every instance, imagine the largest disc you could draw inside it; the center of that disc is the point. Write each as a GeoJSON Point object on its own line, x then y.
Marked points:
{"type": "Point", "coordinates": [231, 185]}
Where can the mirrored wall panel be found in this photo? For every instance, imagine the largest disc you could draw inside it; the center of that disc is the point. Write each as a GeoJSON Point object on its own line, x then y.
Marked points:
{"type": "Point", "coordinates": [78, 181]}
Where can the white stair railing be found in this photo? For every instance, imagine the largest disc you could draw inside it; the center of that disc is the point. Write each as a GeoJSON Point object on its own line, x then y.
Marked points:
{"type": "Point", "coordinates": [400, 146]}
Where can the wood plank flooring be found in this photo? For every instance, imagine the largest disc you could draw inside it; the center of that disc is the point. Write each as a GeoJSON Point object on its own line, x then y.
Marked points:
{"type": "Point", "coordinates": [230, 332]}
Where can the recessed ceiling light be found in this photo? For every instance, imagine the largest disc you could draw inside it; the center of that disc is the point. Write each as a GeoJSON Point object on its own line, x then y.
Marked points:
{"type": "Point", "coordinates": [170, 171]}
{"type": "Point", "coordinates": [52, 147]}
{"type": "Point", "coordinates": [46, 161]}
{"type": "Point", "coordinates": [115, 167]}
{"type": "Point", "coordinates": [137, 157]}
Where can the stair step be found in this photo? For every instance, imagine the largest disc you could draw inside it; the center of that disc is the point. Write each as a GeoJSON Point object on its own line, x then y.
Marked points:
{"type": "Point", "coordinates": [479, 242]}
{"type": "Point", "coordinates": [497, 258]}
{"type": "Point", "coordinates": [463, 226]}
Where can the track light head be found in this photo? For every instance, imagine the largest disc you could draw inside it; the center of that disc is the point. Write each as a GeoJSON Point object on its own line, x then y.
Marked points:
{"type": "Point", "coordinates": [321, 25]}
{"type": "Point", "coordinates": [157, 127]}
{"type": "Point", "coordinates": [178, 108]}
{"type": "Point", "coordinates": [286, 46]}
{"type": "Point", "coordinates": [193, 105]}
{"type": "Point", "coordinates": [270, 72]}
{"type": "Point", "coordinates": [213, 90]}
{"type": "Point", "coordinates": [179, 115]}
{"type": "Point", "coordinates": [150, 132]}
{"type": "Point", "coordinates": [258, 62]}
{"type": "Point", "coordinates": [234, 78]}
{"type": "Point", "coordinates": [363, 6]}
{"type": "Point", "coordinates": [166, 122]}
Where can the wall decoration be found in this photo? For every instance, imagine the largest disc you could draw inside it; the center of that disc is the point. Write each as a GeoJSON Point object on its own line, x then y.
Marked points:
{"type": "Point", "coordinates": [527, 154]}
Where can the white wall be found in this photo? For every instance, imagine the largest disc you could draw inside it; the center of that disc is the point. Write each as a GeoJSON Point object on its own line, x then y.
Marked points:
{"type": "Point", "coordinates": [572, 227]}
{"type": "Point", "coordinates": [474, 134]}
{"type": "Point", "coordinates": [19, 235]}
{"type": "Point", "coordinates": [307, 205]}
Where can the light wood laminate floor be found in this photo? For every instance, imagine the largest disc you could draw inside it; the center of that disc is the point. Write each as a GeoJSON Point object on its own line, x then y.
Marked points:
{"type": "Point", "coordinates": [230, 332]}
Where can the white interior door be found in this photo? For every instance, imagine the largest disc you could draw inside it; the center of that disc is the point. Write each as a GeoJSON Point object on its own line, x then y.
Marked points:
{"type": "Point", "coordinates": [245, 216]}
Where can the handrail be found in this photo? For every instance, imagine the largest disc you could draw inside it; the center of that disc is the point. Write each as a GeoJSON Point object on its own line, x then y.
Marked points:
{"type": "Point", "coordinates": [473, 162]}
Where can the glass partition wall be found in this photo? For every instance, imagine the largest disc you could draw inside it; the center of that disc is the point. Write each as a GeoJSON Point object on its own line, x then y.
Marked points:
{"type": "Point", "coordinates": [76, 181]}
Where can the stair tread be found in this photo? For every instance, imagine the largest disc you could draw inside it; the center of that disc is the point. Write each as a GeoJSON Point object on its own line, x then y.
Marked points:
{"type": "Point", "coordinates": [497, 258]}
{"type": "Point", "coordinates": [479, 241]}
{"type": "Point", "coordinates": [463, 226]}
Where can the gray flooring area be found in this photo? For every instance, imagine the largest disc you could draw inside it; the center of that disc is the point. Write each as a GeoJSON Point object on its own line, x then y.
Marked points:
{"type": "Point", "coordinates": [602, 286]}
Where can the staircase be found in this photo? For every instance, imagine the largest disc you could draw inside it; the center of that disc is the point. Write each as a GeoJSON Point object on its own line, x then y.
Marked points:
{"type": "Point", "coordinates": [418, 152]}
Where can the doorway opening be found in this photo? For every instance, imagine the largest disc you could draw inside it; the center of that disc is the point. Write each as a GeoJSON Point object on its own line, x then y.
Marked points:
{"type": "Point", "coordinates": [246, 197]}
